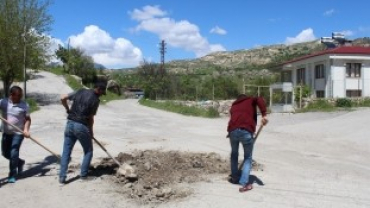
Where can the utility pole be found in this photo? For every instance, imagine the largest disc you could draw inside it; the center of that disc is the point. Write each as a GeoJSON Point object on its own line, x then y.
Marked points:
{"type": "Point", "coordinates": [24, 64]}
{"type": "Point", "coordinates": [24, 52]}
{"type": "Point", "coordinates": [69, 56]}
{"type": "Point", "coordinates": [162, 51]}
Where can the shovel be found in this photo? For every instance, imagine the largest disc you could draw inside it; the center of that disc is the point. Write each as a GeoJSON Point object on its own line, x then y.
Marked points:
{"type": "Point", "coordinates": [33, 139]}
{"type": "Point", "coordinates": [123, 169]}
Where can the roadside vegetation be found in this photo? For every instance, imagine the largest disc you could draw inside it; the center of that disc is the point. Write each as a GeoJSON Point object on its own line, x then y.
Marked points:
{"type": "Point", "coordinates": [32, 104]}
{"type": "Point", "coordinates": [110, 96]}
{"type": "Point", "coordinates": [321, 105]}
{"type": "Point", "coordinates": [181, 109]}
{"type": "Point", "coordinates": [72, 82]}
{"type": "Point", "coordinates": [324, 105]}
{"type": "Point", "coordinates": [75, 85]}
{"type": "Point", "coordinates": [23, 39]}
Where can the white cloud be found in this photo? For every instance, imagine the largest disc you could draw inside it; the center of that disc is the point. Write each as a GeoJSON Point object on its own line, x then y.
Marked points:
{"type": "Point", "coordinates": [148, 12]}
{"type": "Point", "coordinates": [53, 47]}
{"type": "Point", "coordinates": [304, 36]}
{"type": "Point", "coordinates": [179, 34]}
{"type": "Point", "coordinates": [329, 12]}
{"type": "Point", "coordinates": [218, 30]}
{"type": "Point", "coordinates": [112, 53]}
{"type": "Point", "coordinates": [347, 33]}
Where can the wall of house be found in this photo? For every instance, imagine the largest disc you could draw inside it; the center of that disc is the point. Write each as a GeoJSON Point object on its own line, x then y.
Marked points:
{"type": "Point", "coordinates": [335, 82]}
{"type": "Point", "coordinates": [338, 74]}
{"type": "Point", "coordinates": [310, 80]}
{"type": "Point", "coordinates": [328, 77]}
{"type": "Point", "coordinates": [366, 79]}
{"type": "Point", "coordinates": [321, 83]}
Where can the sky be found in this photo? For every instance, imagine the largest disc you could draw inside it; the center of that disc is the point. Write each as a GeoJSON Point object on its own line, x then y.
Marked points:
{"type": "Point", "coordinates": [123, 33]}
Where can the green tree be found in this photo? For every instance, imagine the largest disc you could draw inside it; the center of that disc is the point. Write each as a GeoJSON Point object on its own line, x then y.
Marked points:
{"type": "Point", "coordinates": [23, 24]}
{"type": "Point", "coordinates": [77, 63]}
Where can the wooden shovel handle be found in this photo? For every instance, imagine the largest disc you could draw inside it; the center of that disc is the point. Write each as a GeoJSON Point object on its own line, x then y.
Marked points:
{"type": "Point", "coordinates": [106, 151]}
{"type": "Point", "coordinates": [33, 139]}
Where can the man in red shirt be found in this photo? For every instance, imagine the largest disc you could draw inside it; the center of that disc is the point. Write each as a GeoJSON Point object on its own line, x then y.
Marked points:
{"type": "Point", "coordinates": [241, 127]}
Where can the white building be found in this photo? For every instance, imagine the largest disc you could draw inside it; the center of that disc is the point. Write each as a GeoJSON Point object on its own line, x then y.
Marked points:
{"type": "Point", "coordinates": [333, 73]}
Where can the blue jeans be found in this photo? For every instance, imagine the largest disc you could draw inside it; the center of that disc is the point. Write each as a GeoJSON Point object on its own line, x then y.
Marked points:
{"type": "Point", "coordinates": [76, 131]}
{"type": "Point", "coordinates": [246, 139]}
{"type": "Point", "coordinates": [10, 145]}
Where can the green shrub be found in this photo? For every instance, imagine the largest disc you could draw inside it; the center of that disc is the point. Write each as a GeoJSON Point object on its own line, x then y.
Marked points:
{"type": "Point", "coordinates": [343, 103]}
{"type": "Point", "coordinates": [212, 113]}
{"type": "Point", "coordinates": [109, 97]}
{"type": "Point", "coordinates": [32, 104]}
{"type": "Point", "coordinates": [72, 82]}
{"type": "Point", "coordinates": [364, 103]}
{"type": "Point", "coordinates": [57, 70]}
{"type": "Point", "coordinates": [181, 109]}
{"type": "Point", "coordinates": [319, 105]}
{"type": "Point", "coordinates": [306, 92]}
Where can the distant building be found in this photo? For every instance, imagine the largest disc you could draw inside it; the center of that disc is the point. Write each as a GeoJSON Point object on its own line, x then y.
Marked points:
{"type": "Point", "coordinates": [134, 93]}
{"type": "Point", "coordinates": [334, 73]}
{"type": "Point", "coordinates": [341, 72]}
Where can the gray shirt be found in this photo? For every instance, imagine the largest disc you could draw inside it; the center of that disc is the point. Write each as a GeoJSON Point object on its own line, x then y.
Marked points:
{"type": "Point", "coordinates": [14, 113]}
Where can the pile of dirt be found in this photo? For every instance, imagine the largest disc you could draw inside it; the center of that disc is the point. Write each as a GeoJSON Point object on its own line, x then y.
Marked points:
{"type": "Point", "coordinates": [163, 176]}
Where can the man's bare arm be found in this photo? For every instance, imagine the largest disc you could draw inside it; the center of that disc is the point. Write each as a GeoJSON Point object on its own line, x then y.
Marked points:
{"type": "Point", "coordinates": [91, 124]}
{"type": "Point", "coordinates": [27, 124]}
{"type": "Point", "coordinates": [64, 100]}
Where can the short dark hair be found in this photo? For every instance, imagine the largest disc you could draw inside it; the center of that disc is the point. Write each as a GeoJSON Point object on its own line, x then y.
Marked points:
{"type": "Point", "coordinates": [14, 89]}
{"type": "Point", "coordinates": [240, 96]}
{"type": "Point", "coordinates": [101, 86]}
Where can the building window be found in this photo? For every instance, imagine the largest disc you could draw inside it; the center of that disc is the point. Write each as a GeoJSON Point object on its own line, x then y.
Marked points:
{"type": "Point", "coordinates": [320, 94]}
{"type": "Point", "coordinates": [320, 71]}
{"type": "Point", "coordinates": [353, 70]}
{"type": "Point", "coordinates": [353, 93]}
{"type": "Point", "coordinates": [286, 76]}
{"type": "Point", "coordinates": [301, 76]}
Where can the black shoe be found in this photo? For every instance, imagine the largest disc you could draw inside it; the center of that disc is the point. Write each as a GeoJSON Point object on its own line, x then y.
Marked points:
{"type": "Point", "coordinates": [233, 180]}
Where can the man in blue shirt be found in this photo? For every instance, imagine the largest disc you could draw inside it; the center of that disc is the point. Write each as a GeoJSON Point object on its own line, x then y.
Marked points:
{"type": "Point", "coordinates": [16, 112]}
{"type": "Point", "coordinates": [80, 126]}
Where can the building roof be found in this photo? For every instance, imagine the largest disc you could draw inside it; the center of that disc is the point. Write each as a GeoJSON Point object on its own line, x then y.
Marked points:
{"type": "Point", "coordinates": [348, 50]}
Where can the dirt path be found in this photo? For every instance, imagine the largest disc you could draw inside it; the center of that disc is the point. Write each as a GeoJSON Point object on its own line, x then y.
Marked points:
{"type": "Point", "coordinates": [311, 160]}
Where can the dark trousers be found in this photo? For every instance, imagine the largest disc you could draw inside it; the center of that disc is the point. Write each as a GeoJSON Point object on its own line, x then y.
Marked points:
{"type": "Point", "coordinates": [10, 145]}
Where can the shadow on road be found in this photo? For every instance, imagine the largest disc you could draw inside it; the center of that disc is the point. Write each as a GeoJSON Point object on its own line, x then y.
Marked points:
{"type": "Point", "coordinates": [37, 169]}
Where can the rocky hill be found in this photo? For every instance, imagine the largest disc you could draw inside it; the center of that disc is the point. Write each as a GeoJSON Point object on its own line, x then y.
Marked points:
{"type": "Point", "coordinates": [264, 57]}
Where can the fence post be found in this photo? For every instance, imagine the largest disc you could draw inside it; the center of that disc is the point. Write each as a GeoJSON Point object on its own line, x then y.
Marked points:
{"type": "Point", "coordinates": [300, 96]}
{"type": "Point", "coordinates": [271, 93]}
{"type": "Point", "coordinates": [243, 86]}
{"type": "Point", "coordinates": [213, 91]}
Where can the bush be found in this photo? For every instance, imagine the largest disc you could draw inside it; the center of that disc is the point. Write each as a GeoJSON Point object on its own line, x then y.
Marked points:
{"type": "Point", "coordinates": [319, 105]}
{"type": "Point", "coordinates": [364, 103]}
{"type": "Point", "coordinates": [343, 103]}
{"type": "Point", "coordinates": [32, 104]}
{"type": "Point", "coordinates": [57, 70]}
{"type": "Point", "coordinates": [109, 97]}
{"type": "Point", "coordinates": [212, 113]}
{"type": "Point", "coordinates": [182, 109]}
{"type": "Point", "coordinates": [73, 83]}
{"type": "Point", "coordinates": [306, 92]}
